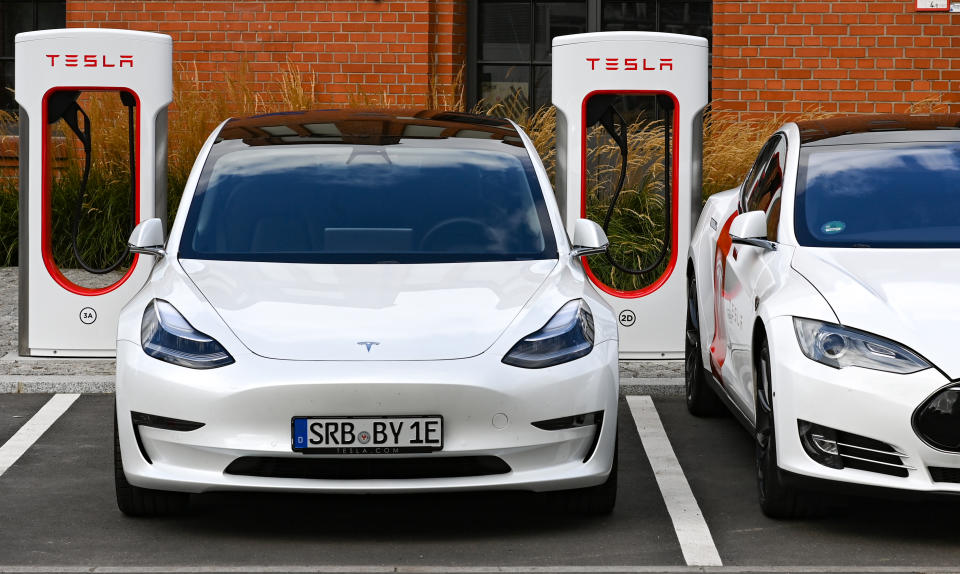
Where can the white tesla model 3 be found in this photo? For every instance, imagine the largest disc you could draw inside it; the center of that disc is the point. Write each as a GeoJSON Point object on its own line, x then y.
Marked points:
{"type": "Point", "coordinates": [363, 302]}
{"type": "Point", "coordinates": [824, 296]}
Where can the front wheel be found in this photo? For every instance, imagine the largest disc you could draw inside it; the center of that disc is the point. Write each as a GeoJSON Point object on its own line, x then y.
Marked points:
{"type": "Point", "coordinates": [595, 500]}
{"type": "Point", "coordinates": [135, 501]}
{"type": "Point", "coordinates": [777, 499]}
{"type": "Point", "coordinates": [701, 400]}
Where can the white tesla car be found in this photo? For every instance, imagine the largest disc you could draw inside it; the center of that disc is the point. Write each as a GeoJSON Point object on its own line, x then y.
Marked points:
{"type": "Point", "coordinates": [824, 296]}
{"type": "Point", "coordinates": [366, 303]}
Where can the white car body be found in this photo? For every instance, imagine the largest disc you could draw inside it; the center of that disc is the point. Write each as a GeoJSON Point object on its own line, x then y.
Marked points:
{"type": "Point", "coordinates": [910, 296]}
{"type": "Point", "coordinates": [362, 340]}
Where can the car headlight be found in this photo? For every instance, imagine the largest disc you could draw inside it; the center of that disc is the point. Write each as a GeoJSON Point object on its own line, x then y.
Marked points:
{"type": "Point", "coordinates": [841, 347]}
{"type": "Point", "coordinates": [167, 336]}
{"type": "Point", "coordinates": [568, 335]}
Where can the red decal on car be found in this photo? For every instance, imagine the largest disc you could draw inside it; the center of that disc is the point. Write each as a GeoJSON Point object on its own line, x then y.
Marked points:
{"type": "Point", "coordinates": [718, 346]}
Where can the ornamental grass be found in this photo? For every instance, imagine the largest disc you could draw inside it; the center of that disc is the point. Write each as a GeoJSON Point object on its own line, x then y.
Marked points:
{"type": "Point", "coordinates": [636, 230]}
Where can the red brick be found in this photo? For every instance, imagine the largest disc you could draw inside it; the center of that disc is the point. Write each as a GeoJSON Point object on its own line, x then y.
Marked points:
{"type": "Point", "coordinates": [844, 54]}
{"type": "Point", "coordinates": [794, 74]}
{"type": "Point", "coordinates": [804, 48]}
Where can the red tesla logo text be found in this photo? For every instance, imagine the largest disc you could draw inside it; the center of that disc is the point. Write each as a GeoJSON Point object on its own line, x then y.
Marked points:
{"type": "Point", "coordinates": [631, 64]}
{"type": "Point", "coordinates": [90, 61]}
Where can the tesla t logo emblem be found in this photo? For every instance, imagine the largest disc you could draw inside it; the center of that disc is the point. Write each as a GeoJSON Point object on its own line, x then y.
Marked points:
{"type": "Point", "coordinates": [367, 344]}
{"type": "Point", "coordinates": [90, 61]}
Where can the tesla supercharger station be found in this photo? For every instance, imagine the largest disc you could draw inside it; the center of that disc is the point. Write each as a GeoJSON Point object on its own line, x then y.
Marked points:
{"type": "Point", "coordinates": [74, 86]}
{"type": "Point", "coordinates": [605, 85]}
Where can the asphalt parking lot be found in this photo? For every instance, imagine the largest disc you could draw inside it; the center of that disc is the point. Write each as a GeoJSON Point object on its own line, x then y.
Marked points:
{"type": "Point", "coordinates": [58, 512]}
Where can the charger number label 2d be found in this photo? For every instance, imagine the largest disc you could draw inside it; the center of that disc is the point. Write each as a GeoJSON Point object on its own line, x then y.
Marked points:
{"type": "Point", "coordinates": [627, 318]}
{"type": "Point", "coordinates": [88, 315]}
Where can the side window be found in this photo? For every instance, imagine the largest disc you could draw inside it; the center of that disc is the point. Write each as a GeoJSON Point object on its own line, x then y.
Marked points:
{"type": "Point", "coordinates": [768, 185]}
{"type": "Point", "coordinates": [755, 173]}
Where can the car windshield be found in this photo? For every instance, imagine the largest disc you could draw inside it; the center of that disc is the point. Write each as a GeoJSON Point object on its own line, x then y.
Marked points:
{"type": "Point", "coordinates": [879, 195]}
{"type": "Point", "coordinates": [419, 201]}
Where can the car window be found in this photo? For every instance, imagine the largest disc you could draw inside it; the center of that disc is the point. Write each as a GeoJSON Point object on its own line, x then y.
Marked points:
{"type": "Point", "coordinates": [750, 183]}
{"type": "Point", "coordinates": [879, 195]}
{"type": "Point", "coordinates": [422, 201]}
{"type": "Point", "coordinates": [768, 185]}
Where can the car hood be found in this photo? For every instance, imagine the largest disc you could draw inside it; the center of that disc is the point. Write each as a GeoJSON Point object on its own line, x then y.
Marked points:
{"type": "Point", "coordinates": [911, 296]}
{"type": "Point", "coordinates": [368, 312]}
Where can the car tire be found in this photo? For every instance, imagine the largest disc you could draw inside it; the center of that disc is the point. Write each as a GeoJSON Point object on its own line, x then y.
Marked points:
{"type": "Point", "coordinates": [777, 499]}
{"type": "Point", "coordinates": [597, 500]}
{"type": "Point", "coordinates": [136, 501]}
{"type": "Point", "coordinates": [702, 401]}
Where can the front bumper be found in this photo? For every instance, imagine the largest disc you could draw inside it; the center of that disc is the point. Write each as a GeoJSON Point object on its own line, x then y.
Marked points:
{"type": "Point", "coordinates": [247, 408]}
{"type": "Point", "coordinates": [864, 402]}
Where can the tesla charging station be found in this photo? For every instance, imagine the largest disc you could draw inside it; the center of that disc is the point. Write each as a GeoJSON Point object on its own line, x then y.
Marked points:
{"type": "Point", "coordinates": [76, 88]}
{"type": "Point", "coordinates": [609, 89]}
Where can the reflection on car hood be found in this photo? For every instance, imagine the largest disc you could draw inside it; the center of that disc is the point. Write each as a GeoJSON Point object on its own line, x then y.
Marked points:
{"type": "Point", "coordinates": [911, 296]}
{"type": "Point", "coordinates": [368, 312]}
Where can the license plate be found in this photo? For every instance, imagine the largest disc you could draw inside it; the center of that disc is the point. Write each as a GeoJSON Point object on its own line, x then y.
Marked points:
{"type": "Point", "coordinates": [367, 435]}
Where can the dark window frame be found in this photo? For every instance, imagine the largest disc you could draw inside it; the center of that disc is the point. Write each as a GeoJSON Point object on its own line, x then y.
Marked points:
{"type": "Point", "coordinates": [34, 25]}
{"type": "Point", "coordinates": [594, 13]}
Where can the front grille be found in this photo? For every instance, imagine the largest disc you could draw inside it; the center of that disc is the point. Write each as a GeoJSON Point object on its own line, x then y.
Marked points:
{"type": "Point", "coordinates": [869, 454]}
{"type": "Point", "coordinates": [937, 420]}
{"type": "Point", "coordinates": [943, 474]}
{"type": "Point", "coordinates": [368, 468]}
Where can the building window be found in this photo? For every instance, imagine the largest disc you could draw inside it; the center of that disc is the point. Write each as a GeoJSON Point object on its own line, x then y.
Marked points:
{"type": "Point", "coordinates": [509, 41]}
{"type": "Point", "coordinates": [513, 48]}
{"type": "Point", "coordinates": [23, 16]}
{"type": "Point", "coordinates": [691, 17]}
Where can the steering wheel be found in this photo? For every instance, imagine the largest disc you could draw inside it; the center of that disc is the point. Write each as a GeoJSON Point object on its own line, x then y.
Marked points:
{"type": "Point", "coordinates": [464, 222]}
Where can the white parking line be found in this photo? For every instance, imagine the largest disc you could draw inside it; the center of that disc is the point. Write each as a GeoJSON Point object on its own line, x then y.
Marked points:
{"type": "Point", "coordinates": [692, 531]}
{"type": "Point", "coordinates": [33, 429]}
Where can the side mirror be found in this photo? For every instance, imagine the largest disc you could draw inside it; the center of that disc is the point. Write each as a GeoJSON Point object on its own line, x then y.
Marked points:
{"type": "Point", "coordinates": [588, 238]}
{"type": "Point", "coordinates": [750, 228]}
{"type": "Point", "coordinates": [147, 238]}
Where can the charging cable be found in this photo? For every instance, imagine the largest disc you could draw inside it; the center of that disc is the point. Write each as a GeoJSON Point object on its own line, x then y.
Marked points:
{"type": "Point", "coordinates": [604, 112]}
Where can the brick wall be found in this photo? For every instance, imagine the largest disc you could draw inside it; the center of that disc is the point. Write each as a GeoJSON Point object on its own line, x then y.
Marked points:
{"type": "Point", "coordinates": [366, 51]}
{"type": "Point", "coordinates": [869, 56]}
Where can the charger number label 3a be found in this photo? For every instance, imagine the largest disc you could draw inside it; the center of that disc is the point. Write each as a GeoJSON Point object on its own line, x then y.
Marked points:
{"type": "Point", "coordinates": [88, 315]}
